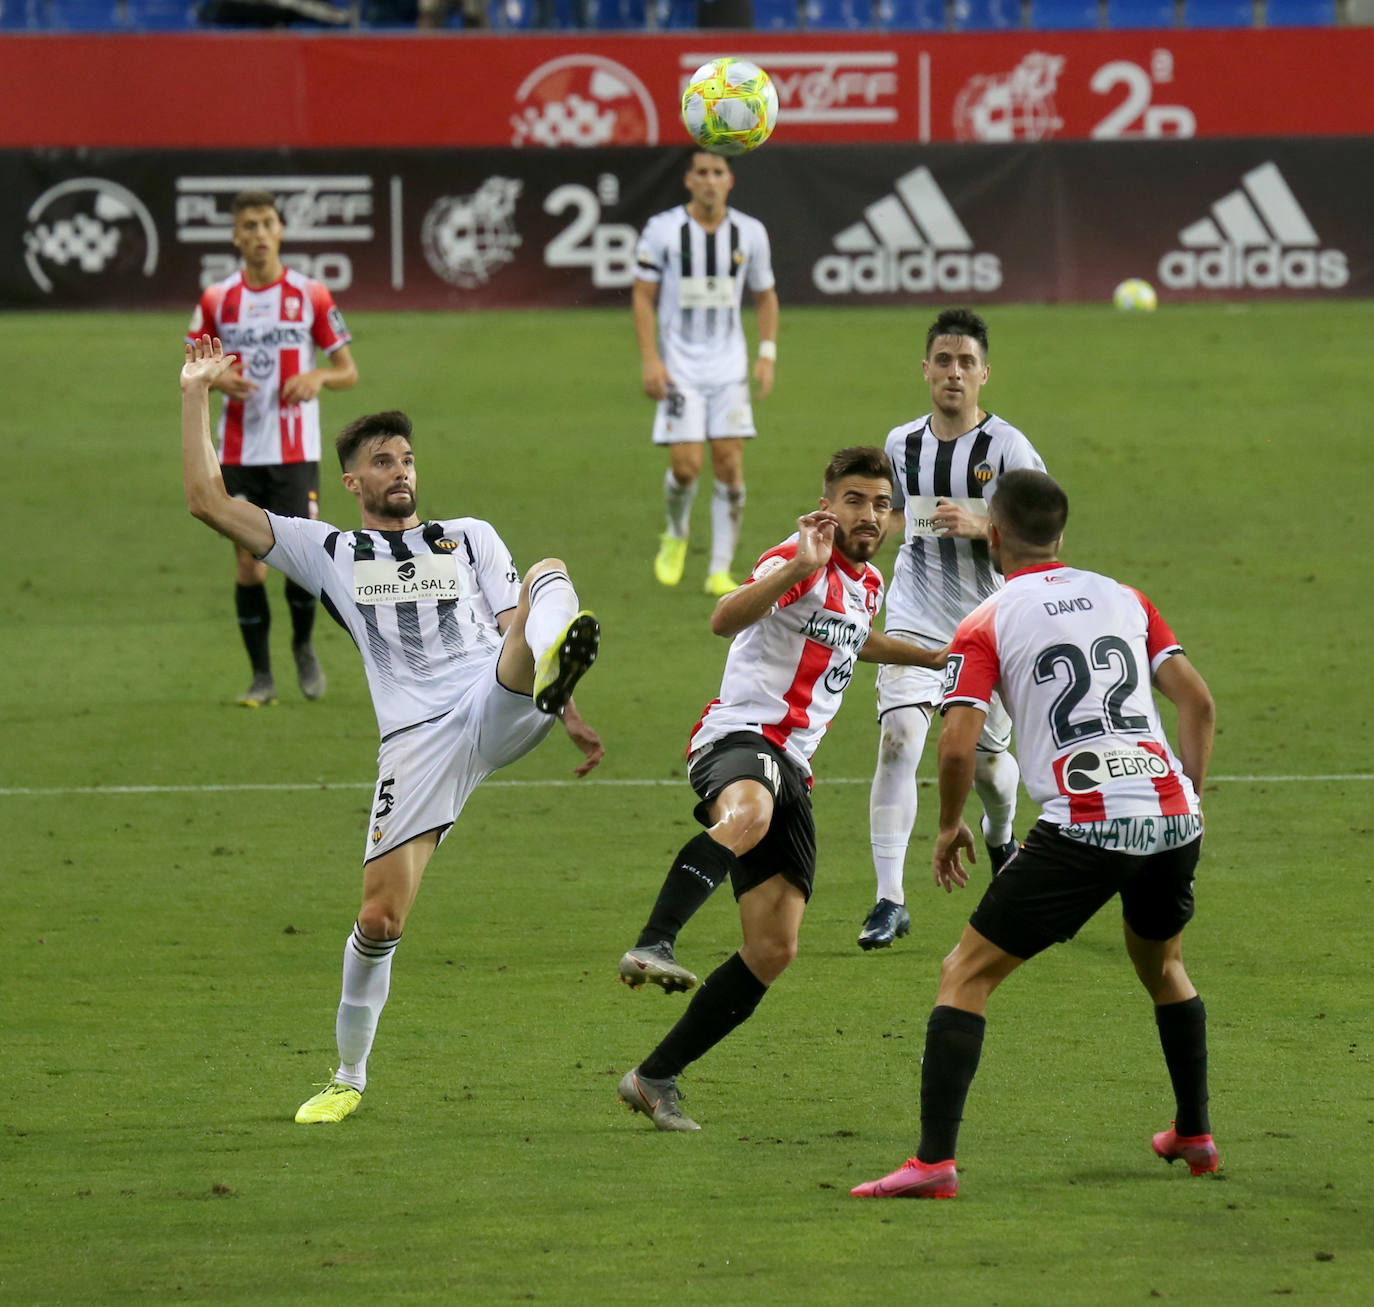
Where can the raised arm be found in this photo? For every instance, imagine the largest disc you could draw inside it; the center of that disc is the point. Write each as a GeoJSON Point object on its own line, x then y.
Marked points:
{"type": "Point", "coordinates": [1182, 684]}
{"type": "Point", "coordinates": [754, 601]}
{"type": "Point", "coordinates": [206, 496]}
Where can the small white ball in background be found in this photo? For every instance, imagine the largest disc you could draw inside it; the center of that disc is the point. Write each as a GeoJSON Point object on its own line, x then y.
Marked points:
{"type": "Point", "coordinates": [1135, 294]}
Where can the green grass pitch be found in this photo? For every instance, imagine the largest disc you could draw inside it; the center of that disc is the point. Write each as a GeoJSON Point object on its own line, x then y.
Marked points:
{"type": "Point", "coordinates": [170, 954]}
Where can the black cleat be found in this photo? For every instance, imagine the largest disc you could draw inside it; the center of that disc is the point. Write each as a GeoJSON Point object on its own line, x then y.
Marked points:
{"type": "Point", "coordinates": [886, 922]}
{"type": "Point", "coordinates": [1002, 854]}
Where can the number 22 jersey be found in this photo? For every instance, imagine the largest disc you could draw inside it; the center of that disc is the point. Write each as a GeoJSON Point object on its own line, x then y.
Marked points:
{"type": "Point", "coordinates": [1073, 654]}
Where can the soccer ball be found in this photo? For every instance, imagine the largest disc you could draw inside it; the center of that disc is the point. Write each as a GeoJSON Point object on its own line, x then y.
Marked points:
{"type": "Point", "coordinates": [730, 106]}
{"type": "Point", "coordinates": [1135, 295]}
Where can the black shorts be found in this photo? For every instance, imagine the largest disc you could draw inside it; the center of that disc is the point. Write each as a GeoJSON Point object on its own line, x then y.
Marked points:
{"type": "Point", "coordinates": [286, 489]}
{"type": "Point", "coordinates": [789, 847]}
{"type": "Point", "coordinates": [1054, 884]}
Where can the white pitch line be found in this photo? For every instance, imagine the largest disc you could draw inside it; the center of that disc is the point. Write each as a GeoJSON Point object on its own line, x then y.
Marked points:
{"type": "Point", "coordinates": [97, 791]}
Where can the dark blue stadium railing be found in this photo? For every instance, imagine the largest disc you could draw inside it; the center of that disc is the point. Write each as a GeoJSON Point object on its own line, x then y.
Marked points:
{"type": "Point", "coordinates": [769, 15]}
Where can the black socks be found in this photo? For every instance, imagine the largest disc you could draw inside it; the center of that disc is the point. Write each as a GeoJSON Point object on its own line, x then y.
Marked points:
{"type": "Point", "coordinates": [954, 1043]}
{"type": "Point", "coordinates": [255, 620]}
{"type": "Point", "coordinates": [699, 868]}
{"type": "Point", "coordinates": [1183, 1036]}
{"type": "Point", "coordinates": [726, 999]}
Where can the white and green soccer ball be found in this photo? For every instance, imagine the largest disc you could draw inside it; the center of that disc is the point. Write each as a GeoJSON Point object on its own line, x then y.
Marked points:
{"type": "Point", "coordinates": [1135, 295]}
{"type": "Point", "coordinates": [730, 106]}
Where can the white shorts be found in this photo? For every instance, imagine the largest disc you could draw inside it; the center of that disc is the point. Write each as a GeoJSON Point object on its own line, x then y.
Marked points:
{"type": "Point", "coordinates": [425, 774]}
{"type": "Point", "coordinates": [692, 416]}
{"type": "Point", "coordinates": [920, 687]}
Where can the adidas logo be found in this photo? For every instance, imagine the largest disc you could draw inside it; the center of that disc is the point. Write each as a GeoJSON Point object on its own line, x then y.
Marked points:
{"type": "Point", "coordinates": [913, 242]}
{"type": "Point", "coordinates": [1258, 238]}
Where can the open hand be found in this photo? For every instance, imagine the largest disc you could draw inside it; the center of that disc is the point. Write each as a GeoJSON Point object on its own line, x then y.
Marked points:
{"type": "Point", "coordinates": [206, 362]}
{"type": "Point", "coordinates": [946, 861]}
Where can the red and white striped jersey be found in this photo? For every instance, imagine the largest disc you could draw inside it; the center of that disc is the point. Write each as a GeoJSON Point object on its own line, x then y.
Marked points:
{"type": "Point", "coordinates": [274, 330]}
{"type": "Point", "coordinates": [786, 674]}
{"type": "Point", "coordinates": [1073, 654]}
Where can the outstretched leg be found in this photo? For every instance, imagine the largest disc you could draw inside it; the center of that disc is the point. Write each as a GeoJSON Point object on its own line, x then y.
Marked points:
{"type": "Point", "coordinates": [390, 884]}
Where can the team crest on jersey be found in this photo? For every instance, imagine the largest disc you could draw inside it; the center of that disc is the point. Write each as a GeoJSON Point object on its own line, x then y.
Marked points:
{"type": "Point", "coordinates": [448, 546]}
{"type": "Point", "coordinates": [376, 834]}
{"type": "Point", "coordinates": [984, 472]}
{"type": "Point", "coordinates": [291, 308]}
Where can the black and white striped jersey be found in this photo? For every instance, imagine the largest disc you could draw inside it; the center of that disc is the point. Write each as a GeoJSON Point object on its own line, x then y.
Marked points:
{"type": "Point", "coordinates": [421, 605]}
{"type": "Point", "coordinates": [937, 581]}
{"type": "Point", "coordinates": [701, 277]}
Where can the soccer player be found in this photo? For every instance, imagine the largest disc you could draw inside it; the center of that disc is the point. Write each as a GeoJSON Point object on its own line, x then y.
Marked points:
{"type": "Point", "coordinates": [1074, 654]}
{"type": "Point", "coordinates": [692, 265]}
{"type": "Point", "coordinates": [946, 464]}
{"type": "Point", "coordinates": [467, 664]}
{"type": "Point", "coordinates": [273, 319]}
{"type": "Point", "coordinates": [796, 627]}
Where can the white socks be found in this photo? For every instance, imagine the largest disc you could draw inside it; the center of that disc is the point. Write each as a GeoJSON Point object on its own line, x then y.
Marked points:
{"type": "Point", "coordinates": [678, 501]}
{"type": "Point", "coordinates": [553, 604]}
{"type": "Point", "coordinates": [995, 776]}
{"type": "Point", "coordinates": [727, 512]}
{"type": "Point", "coordinates": [892, 798]}
{"type": "Point", "coordinates": [366, 983]}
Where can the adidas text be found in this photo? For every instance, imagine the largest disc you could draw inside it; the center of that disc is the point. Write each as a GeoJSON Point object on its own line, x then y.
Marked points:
{"type": "Point", "coordinates": [1266, 267]}
{"type": "Point", "coordinates": [918, 272]}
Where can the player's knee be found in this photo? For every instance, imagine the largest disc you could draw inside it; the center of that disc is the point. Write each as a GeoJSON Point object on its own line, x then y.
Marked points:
{"type": "Point", "coordinates": [542, 566]}
{"type": "Point", "coordinates": [377, 920]}
{"type": "Point", "coordinates": [772, 954]}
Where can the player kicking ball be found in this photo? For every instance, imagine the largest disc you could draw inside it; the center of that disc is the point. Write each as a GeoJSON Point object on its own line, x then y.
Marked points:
{"type": "Point", "coordinates": [468, 665]}
{"type": "Point", "coordinates": [795, 627]}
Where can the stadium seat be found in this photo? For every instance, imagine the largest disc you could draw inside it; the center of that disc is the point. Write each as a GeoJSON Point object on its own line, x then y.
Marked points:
{"type": "Point", "coordinates": [160, 15]}
{"type": "Point", "coordinates": [911, 15]}
{"type": "Point", "coordinates": [1299, 13]}
{"type": "Point", "coordinates": [1218, 13]}
{"type": "Point", "coordinates": [672, 15]}
{"type": "Point", "coordinates": [511, 15]}
{"type": "Point", "coordinates": [985, 15]}
{"type": "Point", "coordinates": [83, 15]}
{"type": "Point", "coordinates": [839, 15]}
{"type": "Point", "coordinates": [1141, 14]}
{"type": "Point", "coordinates": [618, 15]}
{"type": "Point", "coordinates": [19, 16]}
{"type": "Point", "coordinates": [1063, 15]}
{"type": "Point", "coordinates": [775, 15]}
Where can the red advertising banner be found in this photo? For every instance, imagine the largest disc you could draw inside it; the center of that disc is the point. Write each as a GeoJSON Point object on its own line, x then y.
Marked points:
{"type": "Point", "coordinates": [491, 90]}
{"type": "Point", "coordinates": [1250, 219]}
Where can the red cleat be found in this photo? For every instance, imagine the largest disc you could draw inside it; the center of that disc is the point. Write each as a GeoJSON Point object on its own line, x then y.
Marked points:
{"type": "Point", "coordinates": [1197, 1150]}
{"type": "Point", "coordinates": [913, 1179]}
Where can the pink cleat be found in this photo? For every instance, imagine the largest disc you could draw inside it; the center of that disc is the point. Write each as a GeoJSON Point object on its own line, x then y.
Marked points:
{"type": "Point", "coordinates": [1197, 1150]}
{"type": "Point", "coordinates": [913, 1179]}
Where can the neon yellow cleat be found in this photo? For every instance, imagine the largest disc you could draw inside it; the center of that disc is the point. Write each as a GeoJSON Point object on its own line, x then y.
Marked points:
{"type": "Point", "coordinates": [331, 1104]}
{"type": "Point", "coordinates": [671, 559]}
{"type": "Point", "coordinates": [565, 662]}
{"type": "Point", "coordinates": [720, 583]}
{"type": "Point", "coordinates": [262, 693]}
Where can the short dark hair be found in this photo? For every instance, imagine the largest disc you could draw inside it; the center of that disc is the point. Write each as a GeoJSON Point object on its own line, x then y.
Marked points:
{"type": "Point", "coordinates": [858, 461]}
{"type": "Point", "coordinates": [958, 322]}
{"type": "Point", "coordinates": [1031, 506]}
{"type": "Point", "coordinates": [371, 426]}
{"type": "Point", "coordinates": [255, 199]}
{"type": "Point", "coordinates": [715, 154]}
